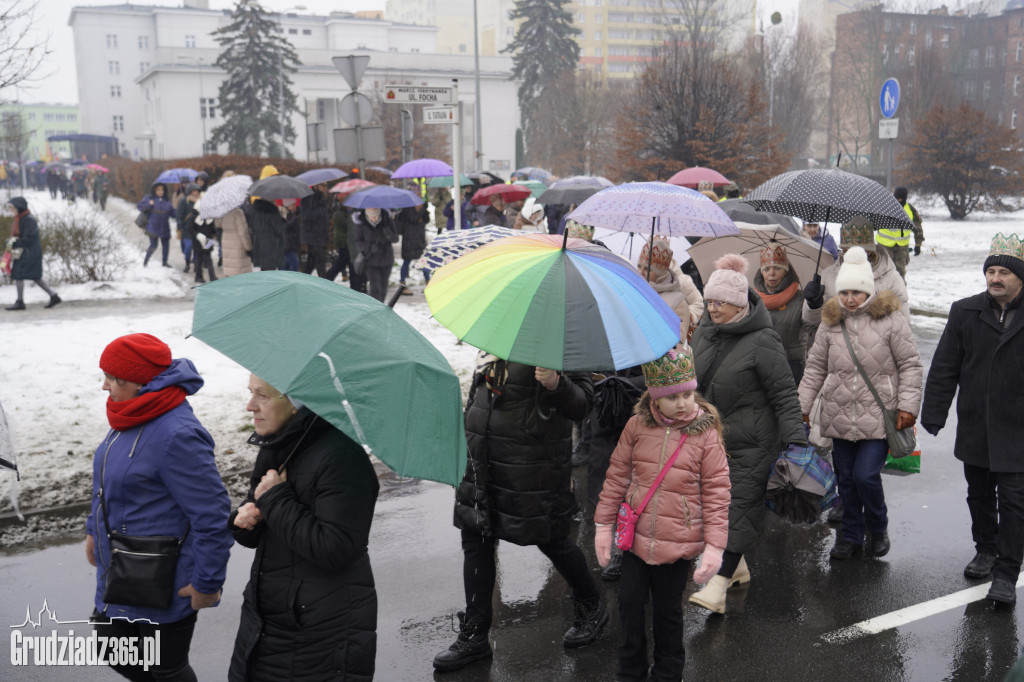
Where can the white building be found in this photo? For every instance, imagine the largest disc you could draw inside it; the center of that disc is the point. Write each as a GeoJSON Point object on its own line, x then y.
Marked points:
{"type": "Point", "coordinates": [146, 75]}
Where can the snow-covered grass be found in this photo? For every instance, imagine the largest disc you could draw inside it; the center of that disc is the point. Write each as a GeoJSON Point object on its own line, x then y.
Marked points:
{"type": "Point", "coordinates": [50, 379]}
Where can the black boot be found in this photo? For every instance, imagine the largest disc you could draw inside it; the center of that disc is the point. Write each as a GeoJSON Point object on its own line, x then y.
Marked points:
{"type": "Point", "coordinates": [471, 645]}
{"type": "Point", "coordinates": [18, 305]}
{"type": "Point", "coordinates": [187, 265]}
{"type": "Point", "coordinates": [587, 624]}
{"type": "Point", "coordinates": [54, 300]}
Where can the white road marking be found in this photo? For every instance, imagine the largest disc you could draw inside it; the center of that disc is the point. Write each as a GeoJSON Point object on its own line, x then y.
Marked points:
{"type": "Point", "coordinates": [888, 621]}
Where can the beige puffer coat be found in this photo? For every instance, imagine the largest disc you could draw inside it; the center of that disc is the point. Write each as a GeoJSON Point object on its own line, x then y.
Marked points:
{"type": "Point", "coordinates": [691, 292]}
{"type": "Point", "coordinates": [885, 348]}
{"type": "Point", "coordinates": [691, 506]}
{"type": "Point", "coordinates": [886, 277]}
{"type": "Point", "coordinates": [235, 242]}
{"type": "Point", "coordinates": [667, 287]}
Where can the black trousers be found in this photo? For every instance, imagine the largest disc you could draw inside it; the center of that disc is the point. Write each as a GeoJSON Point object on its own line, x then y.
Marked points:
{"type": "Point", "coordinates": [996, 503]}
{"type": "Point", "coordinates": [340, 264]}
{"type": "Point", "coordinates": [316, 258]}
{"type": "Point", "coordinates": [203, 259]}
{"type": "Point", "coordinates": [664, 586]}
{"type": "Point", "coordinates": [175, 642]}
{"type": "Point", "coordinates": [479, 571]}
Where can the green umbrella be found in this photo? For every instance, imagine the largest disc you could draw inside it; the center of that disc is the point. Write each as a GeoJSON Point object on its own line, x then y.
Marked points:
{"type": "Point", "coordinates": [536, 187]}
{"type": "Point", "coordinates": [436, 183]}
{"type": "Point", "coordinates": [349, 358]}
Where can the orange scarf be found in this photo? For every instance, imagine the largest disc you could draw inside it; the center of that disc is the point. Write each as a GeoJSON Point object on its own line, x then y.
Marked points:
{"type": "Point", "coordinates": [778, 301]}
{"type": "Point", "coordinates": [125, 414]}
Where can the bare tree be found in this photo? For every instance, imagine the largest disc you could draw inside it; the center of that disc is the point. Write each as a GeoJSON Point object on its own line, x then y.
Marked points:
{"type": "Point", "coordinates": [21, 54]}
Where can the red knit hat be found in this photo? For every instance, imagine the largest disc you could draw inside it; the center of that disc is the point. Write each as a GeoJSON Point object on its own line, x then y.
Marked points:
{"type": "Point", "coordinates": [137, 358]}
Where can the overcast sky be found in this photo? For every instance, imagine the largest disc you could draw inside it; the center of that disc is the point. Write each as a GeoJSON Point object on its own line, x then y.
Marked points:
{"type": "Point", "coordinates": [56, 83]}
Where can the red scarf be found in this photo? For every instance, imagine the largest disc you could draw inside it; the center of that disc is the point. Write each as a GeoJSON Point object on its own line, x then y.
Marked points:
{"type": "Point", "coordinates": [15, 230]}
{"type": "Point", "coordinates": [125, 414]}
{"type": "Point", "coordinates": [778, 301]}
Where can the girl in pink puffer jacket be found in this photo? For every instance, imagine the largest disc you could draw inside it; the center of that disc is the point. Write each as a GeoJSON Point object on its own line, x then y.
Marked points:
{"type": "Point", "coordinates": [687, 514]}
{"type": "Point", "coordinates": [850, 415]}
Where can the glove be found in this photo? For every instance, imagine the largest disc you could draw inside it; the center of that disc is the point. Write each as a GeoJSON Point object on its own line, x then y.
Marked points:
{"type": "Point", "coordinates": [932, 428]}
{"type": "Point", "coordinates": [917, 249]}
{"type": "Point", "coordinates": [806, 418]}
{"type": "Point", "coordinates": [904, 420]}
{"type": "Point", "coordinates": [814, 293]}
{"type": "Point", "coordinates": [248, 254]}
{"type": "Point", "coordinates": [710, 562]}
{"type": "Point", "coordinates": [603, 545]}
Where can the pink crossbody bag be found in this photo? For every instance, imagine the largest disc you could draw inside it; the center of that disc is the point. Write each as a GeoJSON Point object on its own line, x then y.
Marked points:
{"type": "Point", "coordinates": [625, 524]}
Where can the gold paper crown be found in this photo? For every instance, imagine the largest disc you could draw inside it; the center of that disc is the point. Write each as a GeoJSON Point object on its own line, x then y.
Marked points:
{"type": "Point", "coordinates": [774, 254]}
{"type": "Point", "coordinates": [662, 256]}
{"type": "Point", "coordinates": [671, 369]}
{"type": "Point", "coordinates": [579, 231]}
{"type": "Point", "coordinates": [857, 232]}
{"type": "Point", "coordinates": [1007, 245]}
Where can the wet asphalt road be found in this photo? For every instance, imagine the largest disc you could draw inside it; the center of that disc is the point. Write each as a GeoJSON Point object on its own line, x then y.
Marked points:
{"type": "Point", "coordinates": [775, 629]}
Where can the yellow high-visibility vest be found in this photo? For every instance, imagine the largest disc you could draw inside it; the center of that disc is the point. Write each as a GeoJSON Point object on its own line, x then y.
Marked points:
{"type": "Point", "coordinates": [899, 236]}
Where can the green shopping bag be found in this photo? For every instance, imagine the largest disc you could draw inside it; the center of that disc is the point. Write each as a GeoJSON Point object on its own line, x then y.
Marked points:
{"type": "Point", "coordinates": [911, 464]}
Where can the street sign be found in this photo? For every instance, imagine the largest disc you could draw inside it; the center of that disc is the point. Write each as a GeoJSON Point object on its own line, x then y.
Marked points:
{"type": "Point", "coordinates": [889, 98]}
{"type": "Point", "coordinates": [347, 146]}
{"type": "Point", "coordinates": [409, 94]}
{"type": "Point", "coordinates": [888, 129]}
{"type": "Point", "coordinates": [356, 109]}
{"type": "Point", "coordinates": [352, 67]}
{"type": "Point", "coordinates": [439, 115]}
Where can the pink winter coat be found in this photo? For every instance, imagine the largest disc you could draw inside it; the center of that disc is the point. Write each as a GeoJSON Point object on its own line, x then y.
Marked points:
{"type": "Point", "coordinates": [886, 350]}
{"type": "Point", "coordinates": [690, 507]}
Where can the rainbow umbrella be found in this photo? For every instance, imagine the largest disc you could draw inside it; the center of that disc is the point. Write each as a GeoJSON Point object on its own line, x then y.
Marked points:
{"type": "Point", "coordinates": [554, 302]}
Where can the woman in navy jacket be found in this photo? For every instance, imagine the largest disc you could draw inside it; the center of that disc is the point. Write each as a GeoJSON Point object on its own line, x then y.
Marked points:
{"type": "Point", "coordinates": [158, 226]}
{"type": "Point", "coordinates": [157, 475]}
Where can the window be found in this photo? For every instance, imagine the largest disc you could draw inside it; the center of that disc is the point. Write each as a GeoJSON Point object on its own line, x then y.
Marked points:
{"type": "Point", "coordinates": [616, 16]}
{"type": "Point", "coordinates": [31, 116]}
{"type": "Point", "coordinates": [321, 110]}
{"type": "Point", "coordinates": [990, 56]}
{"type": "Point", "coordinates": [597, 35]}
{"type": "Point", "coordinates": [47, 117]}
{"type": "Point", "coordinates": [598, 18]}
{"type": "Point", "coordinates": [114, 68]}
{"type": "Point", "coordinates": [913, 27]}
{"type": "Point", "coordinates": [888, 25]}
{"type": "Point", "coordinates": [972, 59]}
{"type": "Point", "coordinates": [143, 42]}
{"type": "Point", "coordinates": [597, 51]}
{"type": "Point", "coordinates": [885, 54]}
{"type": "Point", "coordinates": [72, 117]}
{"type": "Point", "coordinates": [207, 107]}
{"type": "Point", "coordinates": [581, 18]}
{"type": "Point", "coordinates": [910, 55]}
{"type": "Point", "coordinates": [928, 38]}
{"type": "Point", "coordinates": [618, 35]}
{"type": "Point", "coordinates": [293, 31]}
{"type": "Point", "coordinates": [1013, 119]}
{"type": "Point", "coordinates": [59, 117]}
{"type": "Point", "coordinates": [112, 41]}
{"type": "Point", "coordinates": [190, 41]}
{"type": "Point", "coordinates": [143, 67]}
{"type": "Point", "coordinates": [115, 91]}
{"type": "Point", "coordinates": [118, 124]}
{"type": "Point", "coordinates": [307, 31]}
{"type": "Point", "coordinates": [945, 41]}
{"type": "Point", "coordinates": [986, 89]}
{"type": "Point", "coordinates": [1016, 86]}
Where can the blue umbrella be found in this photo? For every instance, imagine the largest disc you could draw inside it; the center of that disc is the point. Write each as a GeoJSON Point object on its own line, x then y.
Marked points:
{"type": "Point", "coordinates": [383, 197]}
{"type": "Point", "coordinates": [319, 176]}
{"type": "Point", "coordinates": [534, 173]}
{"type": "Point", "coordinates": [177, 175]}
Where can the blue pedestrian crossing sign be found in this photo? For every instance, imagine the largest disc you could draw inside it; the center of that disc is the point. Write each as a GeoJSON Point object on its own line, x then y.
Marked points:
{"type": "Point", "coordinates": [889, 98]}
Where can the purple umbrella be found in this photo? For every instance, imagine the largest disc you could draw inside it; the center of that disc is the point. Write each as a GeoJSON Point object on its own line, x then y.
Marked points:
{"type": "Point", "coordinates": [383, 197]}
{"type": "Point", "coordinates": [656, 206]}
{"type": "Point", "coordinates": [320, 175]}
{"type": "Point", "coordinates": [422, 168]}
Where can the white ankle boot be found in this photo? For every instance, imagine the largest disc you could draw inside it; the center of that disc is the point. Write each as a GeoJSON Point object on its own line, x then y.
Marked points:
{"type": "Point", "coordinates": [741, 575]}
{"type": "Point", "coordinates": [712, 595]}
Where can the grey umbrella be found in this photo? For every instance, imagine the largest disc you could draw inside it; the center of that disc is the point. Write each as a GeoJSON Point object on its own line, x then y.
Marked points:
{"type": "Point", "coordinates": [744, 213]}
{"type": "Point", "coordinates": [279, 187]}
{"type": "Point", "coordinates": [574, 190]}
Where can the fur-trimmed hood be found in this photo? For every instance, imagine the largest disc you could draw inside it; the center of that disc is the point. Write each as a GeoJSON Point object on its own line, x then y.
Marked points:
{"type": "Point", "coordinates": [880, 305]}
{"type": "Point", "coordinates": [699, 425]}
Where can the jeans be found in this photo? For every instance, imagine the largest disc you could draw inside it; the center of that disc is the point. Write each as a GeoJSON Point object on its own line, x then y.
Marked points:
{"type": "Point", "coordinates": [479, 571]}
{"type": "Point", "coordinates": [664, 585]}
{"type": "Point", "coordinates": [291, 261]}
{"type": "Point", "coordinates": [186, 249]}
{"type": "Point", "coordinates": [165, 242]}
{"type": "Point", "coordinates": [858, 466]}
{"type": "Point", "coordinates": [996, 502]}
{"type": "Point", "coordinates": [175, 642]}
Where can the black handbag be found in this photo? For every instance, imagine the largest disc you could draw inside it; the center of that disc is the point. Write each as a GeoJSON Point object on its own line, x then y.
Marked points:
{"type": "Point", "coordinates": [142, 567]}
{"type": "Point", "coordinates": [142, 219]}
{"type": "Point", "coordinates": [902, 442]}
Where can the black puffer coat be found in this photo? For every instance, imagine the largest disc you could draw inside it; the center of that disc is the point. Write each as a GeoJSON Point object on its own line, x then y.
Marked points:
{"type": "Point", "coordinates": [267, 229]}
{"type": "Point", "coordinates": [412, 225]}
{"type": "Point", "coordinates": [310, 608]}
{"type": "Point", "coordinates": [518, 482]}
{"type": "Point", "coordinates": [986, 362]}
{"type": "Point", "coordinates": [375, 241]}
{"type": "Point", "coordinates": [316, 220]}
{"type": "Point", "coordinates": [753, 390]}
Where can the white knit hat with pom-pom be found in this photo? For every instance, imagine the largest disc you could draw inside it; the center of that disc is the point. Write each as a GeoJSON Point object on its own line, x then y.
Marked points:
{"type": "Point", "coordinates": [855, 274]}
{"type": "Point", "coordinates": [728, 282]}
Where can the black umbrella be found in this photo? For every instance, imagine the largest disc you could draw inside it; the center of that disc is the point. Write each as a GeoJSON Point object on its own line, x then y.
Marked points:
{"type": "Point", "coordinates": [279, 187]}
{"type": "Point", "coordinates": [742, 213]}
{"type": "Point", "coordinates": [573, 190]}
{"type": "Point", "coordinates": [484, 177]}
{"type": "Point", "coordinates": [820, 195]}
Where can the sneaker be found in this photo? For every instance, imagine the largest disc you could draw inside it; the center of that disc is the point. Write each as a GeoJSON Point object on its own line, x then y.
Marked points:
{"type": "Point", "coordinates": [54, 300]}
{"type": "Point", "coordinates": [980, 566]}
{"type": "Point", "coordinates": [587, 624]}
{"type": "Point", "coordinates": [471, 645]}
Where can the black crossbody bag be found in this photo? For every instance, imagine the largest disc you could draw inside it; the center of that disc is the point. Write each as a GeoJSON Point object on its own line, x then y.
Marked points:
{"type": "Point", "coordinates": [142, 567]}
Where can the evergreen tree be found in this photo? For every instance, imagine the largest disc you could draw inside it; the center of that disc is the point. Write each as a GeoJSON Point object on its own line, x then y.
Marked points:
{"type": "Point", "coordinates": [256, 58]}
{"type": "Point", "coordinates": [543, 50]}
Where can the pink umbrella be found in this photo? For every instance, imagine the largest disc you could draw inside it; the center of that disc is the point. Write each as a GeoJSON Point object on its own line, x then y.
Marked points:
{"type": "Point", "coordinates": [97, 167]}
{"type": "Point", "coordinates": [508, 192]}
{"type": "Point", "coordinates": [353, 185]}
{"type": "Point", "coordinates": [691, 177]}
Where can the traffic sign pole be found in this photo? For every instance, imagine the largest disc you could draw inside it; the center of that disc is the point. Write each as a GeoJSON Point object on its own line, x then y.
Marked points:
{"type": "Point", "coordinates": [888, 102]}
{"type": "Point", "coordinates": [456, 162]}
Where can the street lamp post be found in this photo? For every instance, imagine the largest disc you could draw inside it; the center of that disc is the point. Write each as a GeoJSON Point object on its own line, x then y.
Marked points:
{"type": "Point", "coordinates": [280, 70]}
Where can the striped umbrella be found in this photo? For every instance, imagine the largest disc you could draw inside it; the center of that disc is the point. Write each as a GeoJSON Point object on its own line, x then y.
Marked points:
{"type": "Point", "coordinates": [553, 302]}
{"type": "Point", "coordinates": [447, 246]}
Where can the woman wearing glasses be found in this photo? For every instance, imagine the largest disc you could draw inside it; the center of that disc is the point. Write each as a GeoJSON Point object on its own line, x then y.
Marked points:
{"type": "Point", "coordinates": [742, 369]}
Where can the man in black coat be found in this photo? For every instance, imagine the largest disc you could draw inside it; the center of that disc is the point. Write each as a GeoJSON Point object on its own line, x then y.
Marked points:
{"type": "Point", "coordinates": [518, 487]}
{"type": "Point", "coordinates": [315, 230]}
{"type": "Point", "coordinates": [982, 352]}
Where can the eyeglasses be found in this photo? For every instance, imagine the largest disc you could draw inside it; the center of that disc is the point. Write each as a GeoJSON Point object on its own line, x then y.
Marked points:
{"type": "Point", "coordinates": [714, 304]}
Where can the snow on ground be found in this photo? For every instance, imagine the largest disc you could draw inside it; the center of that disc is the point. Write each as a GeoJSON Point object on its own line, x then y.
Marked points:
{"type": "Point", "coordinates": [50, 379]}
